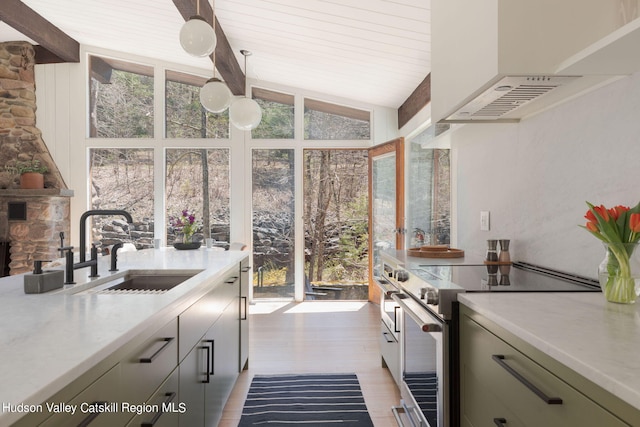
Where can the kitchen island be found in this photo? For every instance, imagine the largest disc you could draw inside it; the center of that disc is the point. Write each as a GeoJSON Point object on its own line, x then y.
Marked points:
{"type": "Point", "coordinates": [48, 341]}
{"type": "Point", "coordinates": [588, 343]}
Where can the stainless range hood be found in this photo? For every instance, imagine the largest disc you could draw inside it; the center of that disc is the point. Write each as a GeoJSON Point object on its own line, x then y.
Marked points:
{"type": "Point", "coordinates": [505, 60]}
{"type": "Point", "coordinates": [506, 96]}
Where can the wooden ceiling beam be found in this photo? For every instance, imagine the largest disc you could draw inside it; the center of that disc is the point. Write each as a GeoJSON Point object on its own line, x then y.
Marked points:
{"type": "Point", "coordinates": [60, 47]}
{"type": "Point", "coordinates": [420, 97]}
{"type": "Point", "coordinates": [225, 59]}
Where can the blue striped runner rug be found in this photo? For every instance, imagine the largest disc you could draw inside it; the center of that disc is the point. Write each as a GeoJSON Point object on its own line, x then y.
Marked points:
{"type": "Point", "coordinates": [311, 400]}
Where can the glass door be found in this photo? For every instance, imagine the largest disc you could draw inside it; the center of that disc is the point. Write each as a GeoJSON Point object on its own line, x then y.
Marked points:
{"type": "Point", "coordinates": [386, 204]}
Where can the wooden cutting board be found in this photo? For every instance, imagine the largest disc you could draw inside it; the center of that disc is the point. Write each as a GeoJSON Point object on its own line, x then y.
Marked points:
{"type": "Point", "coordinates": [439, 251]}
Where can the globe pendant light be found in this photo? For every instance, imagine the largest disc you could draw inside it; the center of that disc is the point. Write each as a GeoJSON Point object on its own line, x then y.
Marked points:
{"type": "Point", "coordinates": [197, 37]}
{"type": "Point", "coordinates": [245, 113]}
{"type": "Point", "coordinates": [215, 96]}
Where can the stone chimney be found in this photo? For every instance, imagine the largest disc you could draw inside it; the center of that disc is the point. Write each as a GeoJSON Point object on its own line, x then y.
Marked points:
{"type": "Point", "coordinates": [20, 139]}
{"type": "Point", "coordinates": [30, 220]}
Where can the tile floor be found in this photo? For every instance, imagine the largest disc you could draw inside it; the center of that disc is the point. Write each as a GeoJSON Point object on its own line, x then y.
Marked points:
{"type": "Point", "coordinates": [317, 337]}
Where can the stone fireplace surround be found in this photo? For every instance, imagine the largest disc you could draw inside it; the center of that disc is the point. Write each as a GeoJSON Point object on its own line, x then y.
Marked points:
{"type": "Point", "coordinates": [34, 236]}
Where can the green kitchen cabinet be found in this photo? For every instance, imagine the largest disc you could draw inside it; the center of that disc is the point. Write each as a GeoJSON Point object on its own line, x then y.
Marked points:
{"type": "Point", "coordinates": [209, 369]}
{"type": "Point", "coordinates": [507, 382]}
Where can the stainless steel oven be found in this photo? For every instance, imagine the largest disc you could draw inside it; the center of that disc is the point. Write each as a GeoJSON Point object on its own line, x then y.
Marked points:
{"type": "Point", "coordinates": [429, 337]}
{"type": "Point", "coordinates": [425, 359]}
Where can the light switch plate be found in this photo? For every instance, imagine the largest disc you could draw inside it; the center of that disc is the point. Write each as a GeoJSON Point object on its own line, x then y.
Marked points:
{"type": "Point", "coordinates": [484, 220]}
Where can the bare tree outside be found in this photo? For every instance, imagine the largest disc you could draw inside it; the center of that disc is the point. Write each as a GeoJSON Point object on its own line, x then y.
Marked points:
{"type": "Point", "coordinates": [336, 221]}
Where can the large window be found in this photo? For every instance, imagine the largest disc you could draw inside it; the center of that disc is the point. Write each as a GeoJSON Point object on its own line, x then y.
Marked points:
{"type": "Point", "coordinates": [121, 99]}
{"type": "Point", "coordinates": [154, 150]}
{"type": "Point", "coordinates": [336, 224]}
{"type": "Point", "coordinates": [273, 223]}
{"type": "Point", "coordinates": [122, 179]}
{"type": "Point", "coordinates": [325, 121]}
{"type": "Point", "coordinates": [198, 181]}
{"type": "Point", "coordinates": [185, 116]}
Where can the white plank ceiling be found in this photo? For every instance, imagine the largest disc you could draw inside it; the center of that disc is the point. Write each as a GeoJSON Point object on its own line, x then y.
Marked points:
{"type": "Point", "coordinates": [371, 51]}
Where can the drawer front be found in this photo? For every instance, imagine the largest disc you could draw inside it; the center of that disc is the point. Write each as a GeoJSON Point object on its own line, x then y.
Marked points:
{"type": "Point", "coordinates": [102, 394]}
{"type": "Point", "coordinates": [522, 385]}
{"type": "Point", "coordinates": [162, 409]}
{"type": "Point", "coordinates": [144, 369]}
{"type": "Point", "coordinates": [481, 407]}
{"type": "Point", "coordinates": [390, 351]}
{"type": "Point", "coordinates": [194, 322]}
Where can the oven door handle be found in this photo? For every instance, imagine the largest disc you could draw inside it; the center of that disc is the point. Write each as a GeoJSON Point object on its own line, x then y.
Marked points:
{"type": "Point", "coordinates": [419, 314]}
{"type": "Point", "coordinates": [385, 286]}
{"type": "Point", "coordinates": [404, 409]}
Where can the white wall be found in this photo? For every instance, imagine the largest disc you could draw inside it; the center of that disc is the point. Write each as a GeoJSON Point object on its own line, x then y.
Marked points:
{"type": "Point", "coordinates": [534, 177]}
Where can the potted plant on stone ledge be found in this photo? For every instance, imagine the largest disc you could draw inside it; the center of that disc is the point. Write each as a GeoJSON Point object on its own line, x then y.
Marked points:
{"type": "Point", "coordinates": [31, 173]}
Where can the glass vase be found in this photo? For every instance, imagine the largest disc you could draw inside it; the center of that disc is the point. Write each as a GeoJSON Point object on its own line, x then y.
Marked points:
{"type": "Point", "coordinates": [619, 273]}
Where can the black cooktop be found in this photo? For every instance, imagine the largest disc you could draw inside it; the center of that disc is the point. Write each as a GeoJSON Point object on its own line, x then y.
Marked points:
{"type": "Point", "coordinates": [517, 277]}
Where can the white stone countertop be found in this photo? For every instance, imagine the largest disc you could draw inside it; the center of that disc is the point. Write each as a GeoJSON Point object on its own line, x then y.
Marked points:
{"type": "Point", "coordinates": [596, 339]}
{"type": "Point", "coordinates": [48, 340]}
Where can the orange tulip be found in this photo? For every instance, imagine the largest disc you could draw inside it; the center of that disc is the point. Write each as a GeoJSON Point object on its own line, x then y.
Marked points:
{"type": "Point", "coordinates": [591, 217]}
{"type": "Point", "coordinates": [617, 211]}
{"type": "Point", "coordinates": [634, 222]}
{"type": "Point", "coordinates": [602, 211]}
{"type": "Point", "coordinates": [591, 226]}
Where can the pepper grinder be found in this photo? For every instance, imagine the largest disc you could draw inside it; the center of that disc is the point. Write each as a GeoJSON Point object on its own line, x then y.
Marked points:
{"type": "Point", "coordinates": [505, 257]}
{"type": "Point", "coordinates": [492, 256]}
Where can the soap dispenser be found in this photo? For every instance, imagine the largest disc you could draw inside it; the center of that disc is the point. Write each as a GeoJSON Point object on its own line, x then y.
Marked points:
{"type": "Point", "coordinates": [41, 281]}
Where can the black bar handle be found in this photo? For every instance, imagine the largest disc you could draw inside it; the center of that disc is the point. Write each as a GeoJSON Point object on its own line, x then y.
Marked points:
{"type": "Point", "coordinates": [500, 422]}
{"type": "Point", "coordinates": [245, 311]}
{"type": "Point", "coordinates": [386, 337]}
{"type": "Point", "coordinates": [231, 280]}
{"type": "Point", "coordinates": [396, 322]}
{"type": "Point", "coordinates": [245, 269]}
{"type": "Point", "coordinates": [149, 359]}
{"type": "Point", "coordinates": [211, 369]}
{"type": "Point", "coordinates": [208, 357]}
{"type": "Point", "coordinates": [89, 419]}
{"type": "Point", "coordinates": [499, 359]}
{"type": "Point", "coordinates": [169, 397]}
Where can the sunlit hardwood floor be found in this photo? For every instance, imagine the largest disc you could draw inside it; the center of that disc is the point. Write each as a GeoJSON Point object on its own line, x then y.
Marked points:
{"type": "Point", "coordinates": [317, 337]}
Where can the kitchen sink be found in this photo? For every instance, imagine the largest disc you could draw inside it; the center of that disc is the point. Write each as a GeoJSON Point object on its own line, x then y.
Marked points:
{"type": "Point", "coordinates": [135, 282]}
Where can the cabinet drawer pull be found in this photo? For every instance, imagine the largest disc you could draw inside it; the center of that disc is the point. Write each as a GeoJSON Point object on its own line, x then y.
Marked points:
{"type": "Point", "coordinates": [499, 359]}
{"type": "Point", "coordinates": [396, 321]}
{"type": "Point", "coordinates": [245, 269]}
{"type": "Point", "coordinates": [168, 398]}
{"type": "Point", "coordinates": [500, 422]}
{"type": "Point", "coordinates": [89, 419]}
{"type": "Point", "coordinates": [210, 360]}
{"type": "Point", "coordinates": [244, 312]}
{"type": "Point", "coordinates": [231, 280]}
{"type": "Point", "coordinates": [149, 359]}
{"type": "Point", "coordinates": [386, 337]}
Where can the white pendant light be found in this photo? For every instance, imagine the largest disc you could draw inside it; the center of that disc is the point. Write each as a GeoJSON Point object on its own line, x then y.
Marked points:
{"type": "Point", "coordinates": [245, 113]}
{"type": "Point", "coordinates": [215, 96]}
{"type": "Point", "coordinates": [197, 37]}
